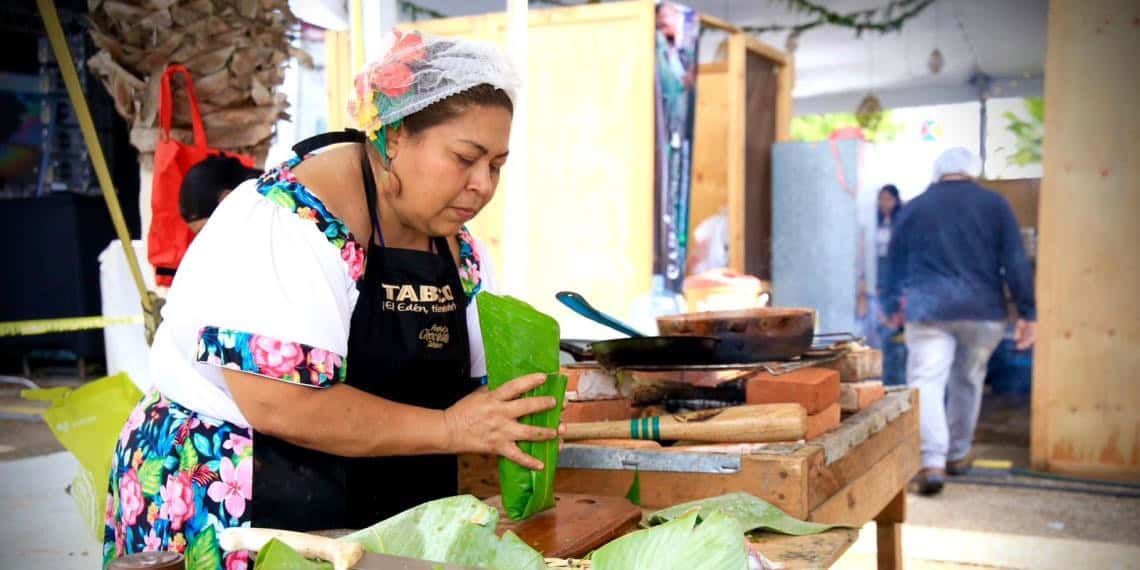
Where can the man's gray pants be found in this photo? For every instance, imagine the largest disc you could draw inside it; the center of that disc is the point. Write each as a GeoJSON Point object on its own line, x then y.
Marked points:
{"type": "Point", "coordinates": [947, 363]}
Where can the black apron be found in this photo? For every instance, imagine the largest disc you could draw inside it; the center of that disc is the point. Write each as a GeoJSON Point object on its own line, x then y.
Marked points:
{"type": "Point", "coordinates": [407, 343]}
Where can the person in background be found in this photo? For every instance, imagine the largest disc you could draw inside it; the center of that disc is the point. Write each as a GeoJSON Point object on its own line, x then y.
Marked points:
{"type": "Point", "coordinates": [887, 336]}
{"type": "Point", "coordinates": [952, 252]}
{"type": "Point", "coordinates": [206, 184]}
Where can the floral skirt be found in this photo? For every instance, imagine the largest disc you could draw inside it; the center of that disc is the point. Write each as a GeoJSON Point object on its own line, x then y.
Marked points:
{"type": "Point", "coordinates": [177, 479]}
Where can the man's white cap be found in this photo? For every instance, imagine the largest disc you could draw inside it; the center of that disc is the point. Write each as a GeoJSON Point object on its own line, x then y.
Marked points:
{"type": "Point", "coordinates": [957, 160]}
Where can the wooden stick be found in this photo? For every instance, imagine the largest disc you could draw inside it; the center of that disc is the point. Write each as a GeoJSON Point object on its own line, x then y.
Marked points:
{"type": "Point", "coordinates": [758, 423]}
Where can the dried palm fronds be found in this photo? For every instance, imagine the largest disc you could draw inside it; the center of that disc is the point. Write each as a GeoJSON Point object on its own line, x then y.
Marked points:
{"type": "Point", "coordinates": [235, 49]}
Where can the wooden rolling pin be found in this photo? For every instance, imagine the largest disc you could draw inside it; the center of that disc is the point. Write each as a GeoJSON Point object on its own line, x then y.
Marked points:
{"type": "Point", "coordinates": [758, 423]}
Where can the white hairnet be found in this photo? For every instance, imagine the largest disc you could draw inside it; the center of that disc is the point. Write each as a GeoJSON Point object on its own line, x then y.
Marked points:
{"type": "Point", "coordinates": [957, 160]}
{"type": "Point", "coordinates": [419, 69]}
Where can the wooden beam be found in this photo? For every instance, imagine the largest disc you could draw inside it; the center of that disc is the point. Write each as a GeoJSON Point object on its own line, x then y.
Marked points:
{"type": "Point", "coordinates": [338, 77]}
{"type": "Point", "coordinates": [827, 479]}
{"type": "Point", "coordinates": [764, 50]}
{"type": "Point", "coordinates": [737, 121]}
{"type": "Point", "coordinates": [888, 532]}
{"type": "Point", "coordinates": [711, 68]}
{"type": "Point", "coordinates": [718, 24]}
{"type": "Point", "coordinates": [1086, 369]}
{"type": "Point", "coordinates": [710, 139]}
{"type": "Point", "coordinates": [864, 498]}
{"type": "Point", "coordinates": [787, 80]}
{"type": "Point", "coordinates": [778, 479]}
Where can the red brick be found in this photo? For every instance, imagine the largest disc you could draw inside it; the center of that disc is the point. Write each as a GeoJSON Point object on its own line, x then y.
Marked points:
{"type": "Point", "coordinates": [818, 424]}
{"type": "Point", "coordinates": [857, 396]}
{"type": "Point", "coordinates": [597, 411]}
{"type": "Point", "coordinates": [572, 376]}
{"type": "Point", "coordinates": [813, 388]}
{"type": "Point", "coordinates": [589, 383]}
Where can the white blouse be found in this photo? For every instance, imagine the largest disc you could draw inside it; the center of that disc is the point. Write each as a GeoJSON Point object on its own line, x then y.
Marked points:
{"type": "Point", "coordinates": [268, 287]}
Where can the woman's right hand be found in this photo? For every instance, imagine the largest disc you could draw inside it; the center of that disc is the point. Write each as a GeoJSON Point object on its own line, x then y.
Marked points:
{"type": "Point", "coordinates": [487, 422]}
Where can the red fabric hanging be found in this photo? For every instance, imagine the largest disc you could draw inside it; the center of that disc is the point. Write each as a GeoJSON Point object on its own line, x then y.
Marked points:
{"type": "Point", "coordinates": [169, 236]}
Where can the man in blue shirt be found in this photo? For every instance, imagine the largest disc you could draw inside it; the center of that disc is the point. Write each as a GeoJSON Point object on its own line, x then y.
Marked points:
{"type": "Point", "coordinates": [954, 250]}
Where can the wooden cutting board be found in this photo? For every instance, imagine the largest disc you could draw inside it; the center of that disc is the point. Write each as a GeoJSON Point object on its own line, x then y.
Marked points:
{"type": "Point", "coordinates": [575, 526]}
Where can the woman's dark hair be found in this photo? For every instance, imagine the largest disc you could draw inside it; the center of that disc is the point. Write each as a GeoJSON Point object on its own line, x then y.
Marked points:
{"type": "Point", "coordinates": [893, 191]}
{"type": "Point", "coordinates": [483, 94]}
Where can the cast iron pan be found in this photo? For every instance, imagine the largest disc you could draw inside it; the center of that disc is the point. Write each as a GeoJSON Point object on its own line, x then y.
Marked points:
{"type": "Point", "coordinates": [638, 350]}
{"type": "Point", "coordinates": [759, 334]}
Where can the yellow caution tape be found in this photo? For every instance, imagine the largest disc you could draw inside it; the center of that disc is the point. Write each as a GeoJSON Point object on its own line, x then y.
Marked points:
{"type": "Point", "coordinates": [45, 326]}
{"type": "Point", "coordinates": [995, 464]}
{"type": "Point", "coordinates": [23, 410]}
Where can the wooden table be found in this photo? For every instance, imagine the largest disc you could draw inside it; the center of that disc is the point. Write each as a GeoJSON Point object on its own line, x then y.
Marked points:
{"type": "Point", "coordinates": [807, 552]}
{"type": "Point", "coordinates": [852, 475]}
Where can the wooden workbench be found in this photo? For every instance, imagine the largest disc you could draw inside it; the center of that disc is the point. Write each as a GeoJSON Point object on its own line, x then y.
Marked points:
{"type": "Point", "coordinates": [852, 475]}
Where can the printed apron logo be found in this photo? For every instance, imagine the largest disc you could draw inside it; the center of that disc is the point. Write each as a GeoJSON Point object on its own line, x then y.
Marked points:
{"type": "Point", "coordinates": [436, 336]}
{"type": "Point", "coordinates": [426, 299]}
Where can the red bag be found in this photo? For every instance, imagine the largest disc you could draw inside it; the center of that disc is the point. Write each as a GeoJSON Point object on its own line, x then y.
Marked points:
{"type": "Point", "coordinates": [169, 236]}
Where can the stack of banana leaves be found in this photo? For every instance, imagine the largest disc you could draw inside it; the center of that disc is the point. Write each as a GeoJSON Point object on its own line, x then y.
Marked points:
{"type": "Point", "coordinates": [711, 534]}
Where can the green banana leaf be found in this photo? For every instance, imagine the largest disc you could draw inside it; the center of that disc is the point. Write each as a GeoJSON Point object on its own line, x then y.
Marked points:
{"type": "Point", "coordinates": [634, 493]}
{"type": "Point", "coordinates": [454, 530]}
{"type": "Point", "coordinates": [520, 340]}
{"type": "Point", "coordinates": [277, 555]}
{"type": "Point", "coordinates": [750, 512]}
{"type": "Point", "coordinates": [686, 543]}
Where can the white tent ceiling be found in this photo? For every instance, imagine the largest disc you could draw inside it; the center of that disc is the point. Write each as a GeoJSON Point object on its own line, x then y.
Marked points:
{"type": "Point", "coordinates": [1004, 39]}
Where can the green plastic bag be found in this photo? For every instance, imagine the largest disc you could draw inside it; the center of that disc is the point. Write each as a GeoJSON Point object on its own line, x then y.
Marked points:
{"type": "Point", "coordinates": [87, 421]}
{"type": "Point", "coordinates": [520, 340]}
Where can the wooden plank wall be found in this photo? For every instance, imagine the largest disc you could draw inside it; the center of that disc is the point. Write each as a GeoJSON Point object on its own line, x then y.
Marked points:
{"type": "Point", "coordinates": [589, 83]}
{"type": "Point", "coordinates": [1086, 382]}
{"type": "Point", "coordinates": [1024, 195]}
{"type": "Point", "coordinates": [743, 106]}
{"type": "Point", "coordinates": [710, 143]}
{"type": "Point", "coordinates": [760, 102]}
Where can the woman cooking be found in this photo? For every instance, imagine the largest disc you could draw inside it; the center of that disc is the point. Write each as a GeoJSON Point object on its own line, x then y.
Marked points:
{"type": "Point", "coordinates": [354, 255]}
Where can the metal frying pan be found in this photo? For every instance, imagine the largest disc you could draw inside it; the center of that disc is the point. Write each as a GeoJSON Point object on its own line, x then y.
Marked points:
{"type": "Point", "coordinates": [638, 350]}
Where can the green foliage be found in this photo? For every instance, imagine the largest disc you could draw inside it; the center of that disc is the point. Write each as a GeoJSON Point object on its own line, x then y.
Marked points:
{"type": "Point", "coordinates": [1029, 131]}
{"type": "Point", "coordinates": [634, 493]}
{"type": "Point", "coordinates": [816, 128]}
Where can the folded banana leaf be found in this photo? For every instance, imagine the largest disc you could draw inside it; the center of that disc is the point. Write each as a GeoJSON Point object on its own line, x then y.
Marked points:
{"type": "Point", "coordinates": [277, 555]}
{"type": "Point", "coordinates": [520, 340]}
{"type": "Point", "coordinates": [687, 543]}
{"type": "Point", "coordinates": [454, 530]}
{"type": "Point", "coordinates": [750, 512]}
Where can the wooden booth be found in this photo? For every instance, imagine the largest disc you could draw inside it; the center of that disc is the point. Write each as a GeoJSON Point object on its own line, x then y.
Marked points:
{"type": "Point", "coordinates": [744, 105]}
{"type": "Point", "coordinates": [583, 219]}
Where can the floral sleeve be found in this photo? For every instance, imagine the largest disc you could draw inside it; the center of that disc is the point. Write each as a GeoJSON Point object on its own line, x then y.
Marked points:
{"type": "Point", "coordinates": [269, 357]}
{"type": "Point", "coordinates": [470, 264]}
